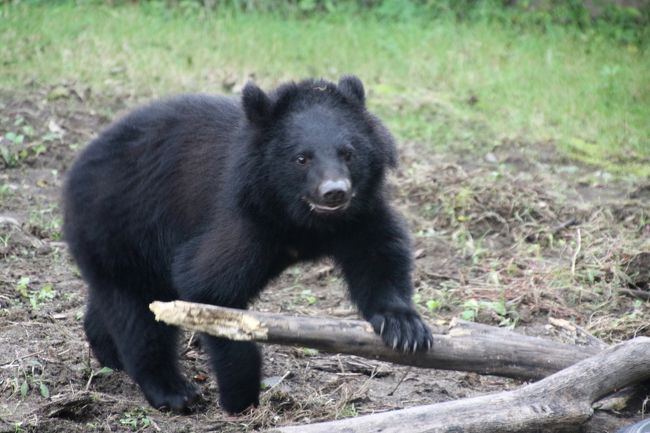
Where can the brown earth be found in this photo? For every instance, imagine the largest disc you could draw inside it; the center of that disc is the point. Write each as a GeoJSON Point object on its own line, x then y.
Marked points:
{"type": "Point", "coordinates": [515, 236]}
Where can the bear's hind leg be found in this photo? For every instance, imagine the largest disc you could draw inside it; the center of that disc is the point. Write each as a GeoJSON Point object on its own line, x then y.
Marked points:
{"type": "Point", "coordinates": [100, 340]}
{"type": "Point", "coordinates": [146, 348]}
{"type": "Point", "coordinates": [238, 365]}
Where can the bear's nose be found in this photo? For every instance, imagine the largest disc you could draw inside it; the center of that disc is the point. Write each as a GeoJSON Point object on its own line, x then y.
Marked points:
{"type": "Point", "coordinates": [334, 192]}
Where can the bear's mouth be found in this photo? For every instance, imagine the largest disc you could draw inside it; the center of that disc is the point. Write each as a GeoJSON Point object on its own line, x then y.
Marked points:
{"type": "Point", "coordinates": [325, 209]}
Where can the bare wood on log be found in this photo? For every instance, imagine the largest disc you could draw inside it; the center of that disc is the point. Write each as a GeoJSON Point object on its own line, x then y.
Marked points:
{"type": "Point", "coordinates": [466, 346]}
{"type": "Point", "coordinates": [556, 403]}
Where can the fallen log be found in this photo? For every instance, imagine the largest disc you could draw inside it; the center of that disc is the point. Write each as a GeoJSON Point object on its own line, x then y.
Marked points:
{"type": "Point", "coordinates": [560, 402]}
{"type": "Point", "coordinates": [465, 347]}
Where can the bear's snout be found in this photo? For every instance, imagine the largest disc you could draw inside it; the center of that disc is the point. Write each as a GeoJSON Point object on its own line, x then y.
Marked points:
{"type": "Point", "coordinates": [331, 196]}
{"type": "Point", "coordinates": [334, 192]}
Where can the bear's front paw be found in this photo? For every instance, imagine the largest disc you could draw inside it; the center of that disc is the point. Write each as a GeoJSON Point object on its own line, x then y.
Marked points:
{"type": "Point", "coordinates": [177, 396]}
{"type": "Point", "coordinates": [402, 330]}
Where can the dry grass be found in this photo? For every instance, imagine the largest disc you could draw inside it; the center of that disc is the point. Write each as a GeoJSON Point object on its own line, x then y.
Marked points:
{"type": "Point", "coordinates": [532, 237]}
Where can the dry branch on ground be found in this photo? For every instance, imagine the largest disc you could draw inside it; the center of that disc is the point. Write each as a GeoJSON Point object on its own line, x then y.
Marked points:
{"type": "Point", "coordinates": [564, 399]}
{"type": "Point", "coordinates": [465, 346]}
{"type": "Point", "coordinates": [560, 401]}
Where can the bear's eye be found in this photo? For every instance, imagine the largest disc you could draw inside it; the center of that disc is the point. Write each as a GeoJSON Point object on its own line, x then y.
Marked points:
{"type": "Point", "coordinates": [301, 159]}
{"type": "Point", "coordinates": [346, 154]}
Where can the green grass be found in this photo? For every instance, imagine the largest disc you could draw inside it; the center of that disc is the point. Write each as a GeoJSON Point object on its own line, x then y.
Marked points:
{"type": "Point", "coordinates": [456, 86]}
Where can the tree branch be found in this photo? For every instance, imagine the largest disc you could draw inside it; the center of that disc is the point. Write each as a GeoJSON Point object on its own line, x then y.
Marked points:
{"type": "Point", "coordinates": [465, 347]}
{"type": "Point", "coordinates": [560, 401]}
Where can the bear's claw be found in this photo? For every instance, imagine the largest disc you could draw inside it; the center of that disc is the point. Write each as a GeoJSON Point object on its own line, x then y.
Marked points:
{"type": "Point", "coordinates": [402, 329]}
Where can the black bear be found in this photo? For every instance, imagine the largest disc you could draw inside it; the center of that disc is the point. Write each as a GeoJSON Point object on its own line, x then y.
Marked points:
{"type": "Point", "coordinates": [206, 199]}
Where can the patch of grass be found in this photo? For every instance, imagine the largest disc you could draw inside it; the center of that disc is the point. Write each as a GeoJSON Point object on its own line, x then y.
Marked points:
{"type": "Point", "coordinates": [136, 420]}
{"type": "Point", "coordinates": [46, 223]}
{"type": "Point", "coordinates": [458, 85]}
{"type": "Point", "coordinates": [20, 143]}
{"type": "Point", "coordinates": [504, 314]}
{"type": "Point", "coordinates": [348, 411]}
{"type": "Point", "coordinates": [30, 378]}
{"type": "Point", "coordinates": [38, 297]}
{"type": "Point", "coordinates": [6, 190]}
{"type": "Point", "coordinates": [530, 244]}
{"type": "Point", "coordinates": [308, 297]}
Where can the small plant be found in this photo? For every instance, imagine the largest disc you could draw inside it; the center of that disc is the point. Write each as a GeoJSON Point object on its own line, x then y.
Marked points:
{"type": "Point", "coordinates": [18, 148]}
{"type": "Point", "coordinates": [16, 139]}
{"type": "Point", "coordinates": [39, 149]}
{"type": "Point", "coordinates": [348, 411]}
{"type": "Point", "coordinates": [92, 374]}
{"type": "Point", "coordinates": [471, 308]}
{"type": "Point", "coordinates": [4, 240]}
{"type": "Point", "coordinates": [135, 420]}
{"type": "Point", "coordinates": [46, 224]}
{"type": "Point", "coordinates": [10, 159]}
{"type": "Point", "coordinates": [43, 294]}
{"type": "Point", "coordinates": [308, 297]}
{"type": "Point", "coordinates": [6, 190]}
{"type": "Point", "coordinates": [44, 390]}
{"type": "Point", "coordinates": [439, 300]}
{"type": "Point", "coordinates": [434, 305]}
{"type": "Point", "coordinates": [309, 351]}
{"type": "Point", "coordinates": [22, 286]}
{"type": "Point", "coordinates": [103, 372]}
{"type": "Point", "coordinates": [36, 298]}
{"type": "Point", "coordinates": [32, 380]}
{"type": "Point", "coordinates": [24, 389]}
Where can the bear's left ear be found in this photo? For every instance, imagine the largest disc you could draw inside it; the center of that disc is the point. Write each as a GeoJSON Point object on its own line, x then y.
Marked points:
{"type": "Point", "coordinates": [385, 141]}
{"type": "Point", "coordinates": [352, 87]}
{"type": "Point", "coordinates": [256, 103]}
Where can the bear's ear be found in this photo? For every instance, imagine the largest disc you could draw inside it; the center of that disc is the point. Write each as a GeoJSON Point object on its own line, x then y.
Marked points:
{"type": "Point", "coordinates": [385, 141]}
{"type": "Point", "coordinates": [256, 103]}
{"type": "Point", "coordinates": [352, 87]}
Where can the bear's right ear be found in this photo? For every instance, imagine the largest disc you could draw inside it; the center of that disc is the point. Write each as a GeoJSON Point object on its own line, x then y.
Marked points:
{"type": "Point", "coordinates": [256, 103]}
{"type": "Point", "coordinates": [352, 87]}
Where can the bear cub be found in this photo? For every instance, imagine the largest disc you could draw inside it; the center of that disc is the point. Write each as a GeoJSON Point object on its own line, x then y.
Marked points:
{"type": "Point", "coordinates": [207, 198]}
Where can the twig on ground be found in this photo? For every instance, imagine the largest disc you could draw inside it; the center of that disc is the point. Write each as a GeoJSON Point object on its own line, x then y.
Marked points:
{"type": "Point", "coordinates": [577, 252]}
{"type": "Point", "coordinates": [408, 370]}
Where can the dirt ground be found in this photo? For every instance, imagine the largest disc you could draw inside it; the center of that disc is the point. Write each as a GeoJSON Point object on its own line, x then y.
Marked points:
{"type": "Point", "coordinates": [513, 235]}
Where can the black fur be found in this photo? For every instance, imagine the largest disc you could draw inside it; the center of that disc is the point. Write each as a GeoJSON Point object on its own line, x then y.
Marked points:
{"type": "Point", "coordinates": [206, 199]}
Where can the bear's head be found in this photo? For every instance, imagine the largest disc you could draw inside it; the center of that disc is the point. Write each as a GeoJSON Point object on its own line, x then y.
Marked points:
{"type": "Point", "coordinates": [320, 156]}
